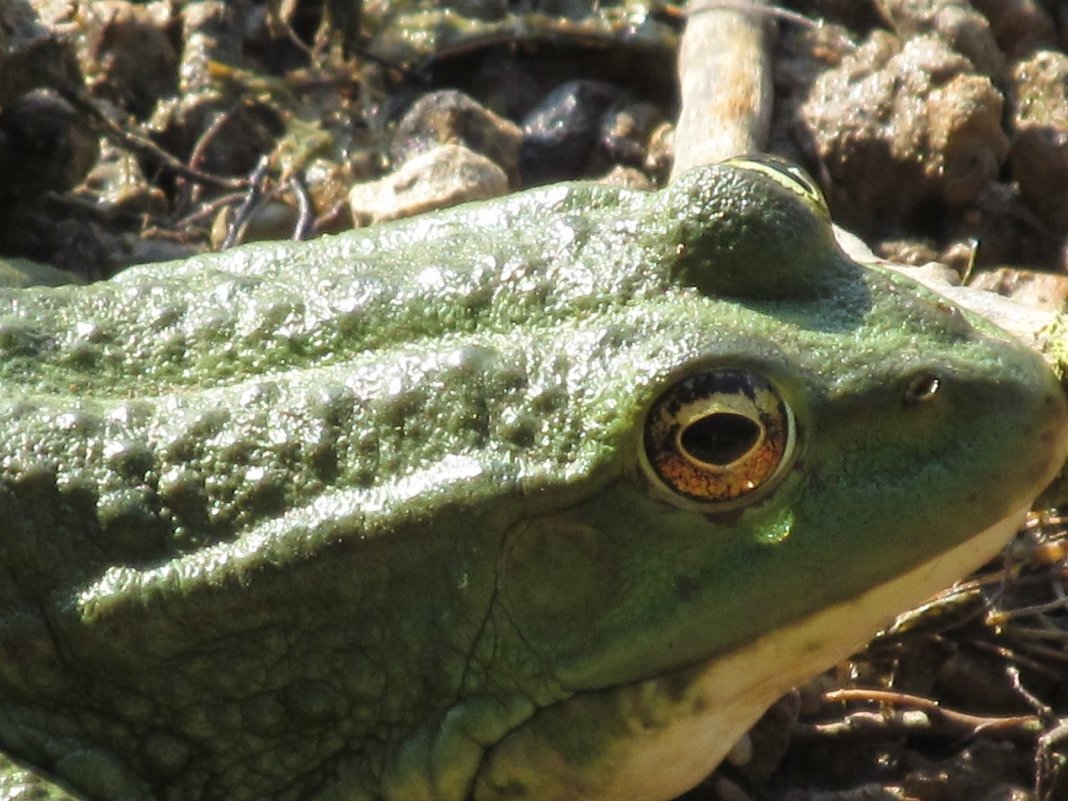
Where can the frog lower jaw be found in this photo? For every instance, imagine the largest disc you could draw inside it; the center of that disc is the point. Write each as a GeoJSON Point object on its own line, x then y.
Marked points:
{"type": "Point", "coordinates": [655, 739]}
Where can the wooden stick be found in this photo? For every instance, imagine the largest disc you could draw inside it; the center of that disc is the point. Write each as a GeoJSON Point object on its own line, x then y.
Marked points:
{"type": "Point", "coordinates": [725, 83]}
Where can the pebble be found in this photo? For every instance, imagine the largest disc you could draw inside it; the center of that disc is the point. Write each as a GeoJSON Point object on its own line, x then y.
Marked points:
{"type": "Point", "coordinates": [904, 130]}
{"type": "Point", "coordinates": [31, 55]}
{"type": "Point", "coordinates": [127, 55]}
{"type": "Point", "coordinates": [452, 117]}
{"type": "Point", "coordinates": [437, 179]}
{"type": "Point", "coordinates": [45, 146]}
{"type": "Point", "coordinates": [959, 25]}
{"type": "Point", "coordinates": [562, 132]}
{"type": "Point", "coordinates": [1034, 289]}
{"type": "Point", "coordinates": [628, 178]}
{"type": "Point", "coordinates": [660, 150]}
{"type": "Point", "coordinates": [118, 181]}
{"type": "Point", "coordinates": [212, 32]}
{"type": "Point", "coordinates": [625, 132]}
{"type": "Point", "coordinates": [1039, 155]}
{"type": "Point", "coordinates": [1019, 26]}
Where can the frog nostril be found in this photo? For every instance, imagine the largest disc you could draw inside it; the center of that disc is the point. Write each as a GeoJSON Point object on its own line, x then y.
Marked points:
{"type": "Point", "coordinates": [922, 388]}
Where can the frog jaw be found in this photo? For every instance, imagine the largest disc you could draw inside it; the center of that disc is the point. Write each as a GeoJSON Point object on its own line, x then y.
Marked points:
{"type": "Point", "coordinates": [653, 740]}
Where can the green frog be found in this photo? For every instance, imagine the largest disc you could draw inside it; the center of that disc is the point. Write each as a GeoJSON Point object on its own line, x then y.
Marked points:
{"type": "Point", "coordinates": [541, 498]}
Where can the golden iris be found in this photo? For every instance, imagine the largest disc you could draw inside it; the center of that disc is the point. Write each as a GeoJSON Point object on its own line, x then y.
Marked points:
{"type": "Point", "coordinates": [718, 436]}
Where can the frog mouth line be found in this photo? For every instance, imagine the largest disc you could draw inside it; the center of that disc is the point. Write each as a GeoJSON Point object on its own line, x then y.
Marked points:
{"type": "Point", "coordinates": [670, 732]}
{"type": "Point", "coordinates": [728, 694]}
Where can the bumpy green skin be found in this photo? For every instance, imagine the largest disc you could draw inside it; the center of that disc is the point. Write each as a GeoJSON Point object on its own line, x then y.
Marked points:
{"type": "Point", "coordinates": [329, 520]}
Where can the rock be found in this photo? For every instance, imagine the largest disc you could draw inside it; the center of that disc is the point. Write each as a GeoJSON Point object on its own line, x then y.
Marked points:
{"type": "Point", "coordinates": [127, 55]}
{"type": "Point", "coordinates": [1035, 289]}
{"type": "Point", "coordinates": [271, 220]}
{"type": "Point", "coordinates": [238, 133]}
{"type": "Point", "coordinates": [118, 182]}
{"type": "Point", "coordinates": [211, 32]}
{"type": "Point", "coordinates": [561, 134]}
{"type": "Point", "coordinates": [660, 150]}
{"type": "Point", "coordinates": [451, 117]}
{"type": "Point", "coordinates": [964, 137]}
{"type": "Point", "coordinates": [45, 146]}
{"type": "Point", "coordinates": [1039, 155]}
{"type": "Point", "coordinates": [913, 252]}
{"type": "Point", "coordinates": [625, 132]}
{"type": "Point", "coordinates": [32, 56]}
{"type": "Point", "coordinates": [903, 131]}
{"type": "Point", "coordinates": [956, 23]}
{"type": "Point", "coordinates": [437, 179]}
{"type": "Point", "coordinates": [628, 178]}
{"type": "Point", "coordinates": [1019, 26]}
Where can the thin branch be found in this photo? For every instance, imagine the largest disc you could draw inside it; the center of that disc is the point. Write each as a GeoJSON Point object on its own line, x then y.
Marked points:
{"type": "Point", "coordinates": [951, 721]}
{"type": "Point", "coordinates": [138, 144]}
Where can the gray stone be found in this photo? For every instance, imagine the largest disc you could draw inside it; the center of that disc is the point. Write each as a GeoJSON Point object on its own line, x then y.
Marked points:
{"type": "Point", "coordinates": [442, 177]}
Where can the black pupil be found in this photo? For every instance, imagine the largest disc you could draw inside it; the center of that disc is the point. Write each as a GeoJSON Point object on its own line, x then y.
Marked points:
{"type": "Point", "coordinates": [720, 438]}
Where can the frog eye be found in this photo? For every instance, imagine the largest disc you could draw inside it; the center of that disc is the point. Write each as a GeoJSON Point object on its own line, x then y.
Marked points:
{"type": "Point", "coordinates": [718, 437]}
{"type": "Point", "coordinates": [788, 175]}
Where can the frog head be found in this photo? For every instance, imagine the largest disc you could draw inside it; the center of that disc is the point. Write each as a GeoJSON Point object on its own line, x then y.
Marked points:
{"type": "Point", "coordinates": [805, 447]}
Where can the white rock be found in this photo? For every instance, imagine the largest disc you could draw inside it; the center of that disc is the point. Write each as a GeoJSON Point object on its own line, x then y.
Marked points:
{"type": "Point", "coordinates": [437, 179]}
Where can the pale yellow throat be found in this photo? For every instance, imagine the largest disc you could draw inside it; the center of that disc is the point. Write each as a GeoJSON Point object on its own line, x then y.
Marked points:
{"type": "Point", "coordinates": [669, 733]}
{"type": "Point", "coordinates": [729, 694]}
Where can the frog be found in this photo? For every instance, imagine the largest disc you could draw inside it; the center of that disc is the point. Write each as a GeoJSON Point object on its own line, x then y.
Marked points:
{"type": "Point", "coordinates": [548, 496]}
